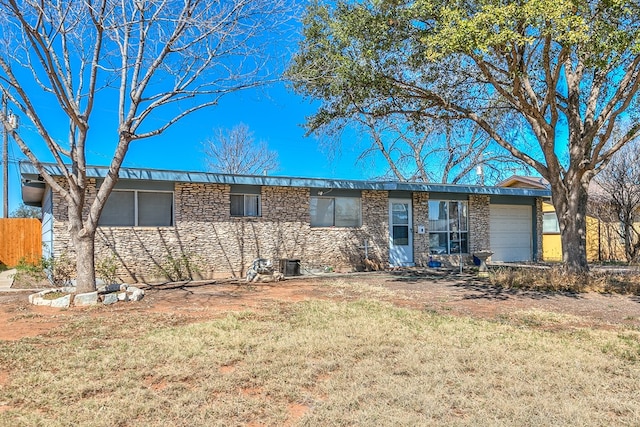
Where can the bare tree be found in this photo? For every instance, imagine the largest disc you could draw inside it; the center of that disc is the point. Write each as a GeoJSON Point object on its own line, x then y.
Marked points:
{"type": "Point", "coordinates": [434, 151]}
{"type": "Point", "coordinates": [236, 151]}
{"type": "Point", "coordinates": [139, 66]}
{"type": "Point", "coordinates": [619, 196]}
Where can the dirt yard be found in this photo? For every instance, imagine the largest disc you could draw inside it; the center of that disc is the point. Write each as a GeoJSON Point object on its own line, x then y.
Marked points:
{"type": "Point", "coordinates": [451, 294]}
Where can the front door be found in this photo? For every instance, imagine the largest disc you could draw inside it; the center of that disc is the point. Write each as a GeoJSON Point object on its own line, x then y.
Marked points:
{"type": "Point", "coordinates": [400, 233]}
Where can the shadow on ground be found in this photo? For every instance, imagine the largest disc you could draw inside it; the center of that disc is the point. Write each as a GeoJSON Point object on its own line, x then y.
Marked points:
{"type": "Point", "coordinates": [476, 288]}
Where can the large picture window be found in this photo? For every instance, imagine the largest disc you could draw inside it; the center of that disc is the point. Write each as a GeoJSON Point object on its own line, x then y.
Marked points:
{"type": "Point", "coordinates": [336, 212]}
{"type": "Point", "coordinates": [132, 208]}
{"type": "Point", "coordinates": [245, 205]}
{"type": "Point", "coordinates": [448, 227]}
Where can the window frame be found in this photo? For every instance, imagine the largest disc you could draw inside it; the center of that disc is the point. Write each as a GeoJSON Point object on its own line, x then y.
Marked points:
{"type": "Point", "coordinates": [335, 214]}
{"type": "Point", "coordinates": [136, 210]}
{"type": "Point", "coordinates": [244, 205]}
{"type": "Point", "coordinates": [544, 223]}
{"type": "Point", "coordinates": [447, 231]}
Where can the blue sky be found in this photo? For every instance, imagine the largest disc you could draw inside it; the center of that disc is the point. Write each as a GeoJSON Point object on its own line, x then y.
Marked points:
{"type": "Point", "coordinates": [274, 115]}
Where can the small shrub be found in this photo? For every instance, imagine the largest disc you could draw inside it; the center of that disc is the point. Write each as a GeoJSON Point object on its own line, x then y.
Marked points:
{"type": "Point", "coordinates": [24, 266]}
{"type": "Point", "coordinates": [61, 270]}
{"type": "Point", "coordinates": [107, 269]}
{"type": "Point", "coordinates": [30, 275]}
{"type": "Point", "coordinates": [184, 267]}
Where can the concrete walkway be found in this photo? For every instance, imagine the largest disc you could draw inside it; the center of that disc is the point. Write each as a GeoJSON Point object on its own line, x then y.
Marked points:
{"type": "Point", "coordinates": [6, 280]}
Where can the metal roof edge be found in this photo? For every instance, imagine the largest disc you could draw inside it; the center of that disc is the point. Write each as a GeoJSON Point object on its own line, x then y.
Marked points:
{"type": "Point", "coordinates": [27, 169]}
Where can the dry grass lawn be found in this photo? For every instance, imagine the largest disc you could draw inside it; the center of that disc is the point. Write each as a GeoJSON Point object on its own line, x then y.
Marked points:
{"type": "Point", "coordinates": [323, 363]}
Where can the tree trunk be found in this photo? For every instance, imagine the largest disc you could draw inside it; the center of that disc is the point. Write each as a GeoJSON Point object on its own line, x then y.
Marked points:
{"type": "Point", "coordinates": [85, 263]}
{"type": "Point", "coordinates": [628, 244]}
{"type": "Point", "coordinates": [571, 209]}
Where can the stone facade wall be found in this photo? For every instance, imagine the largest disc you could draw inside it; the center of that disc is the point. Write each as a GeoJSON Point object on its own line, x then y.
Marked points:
{"type": "Point", "coordinates": [479, 223]}
{"type": "Point", "coordinates": [421, 218]}
{"type": "Point", "coordinates": [207, 241]}
{"type": "Point", "coordinates": [343, 248]}
{"type": "Point", "coordinates": [62, 240]}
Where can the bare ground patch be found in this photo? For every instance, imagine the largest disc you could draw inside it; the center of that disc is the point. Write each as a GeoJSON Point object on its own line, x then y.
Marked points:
{"type": "Point", "coordinates": [454, 294]}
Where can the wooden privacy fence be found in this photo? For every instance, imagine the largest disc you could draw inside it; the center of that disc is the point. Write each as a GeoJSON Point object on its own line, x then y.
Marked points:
{"type": "Point", "coordinates": [20, 238]}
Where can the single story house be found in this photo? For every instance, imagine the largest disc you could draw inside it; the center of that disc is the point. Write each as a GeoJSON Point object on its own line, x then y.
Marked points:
{"type": "Point", "coordinates": [157, 221]}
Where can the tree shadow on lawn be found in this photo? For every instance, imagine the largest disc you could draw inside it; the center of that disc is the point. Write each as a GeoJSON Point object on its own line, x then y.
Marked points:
{"type": "Point", "coordinates": [476, 288]}
{"type": "Point", "coordinates": [485, 290]}
{"type": "Point", "coordinates": [232, 288]}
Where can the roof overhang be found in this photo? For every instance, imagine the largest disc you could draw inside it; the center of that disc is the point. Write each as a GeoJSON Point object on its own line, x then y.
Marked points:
{"type": "Point", "coordinates": [32, 192]}
{"type": "Point", "coordinates": [29, 171]}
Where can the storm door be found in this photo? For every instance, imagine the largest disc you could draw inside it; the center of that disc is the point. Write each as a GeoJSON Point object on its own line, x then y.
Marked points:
{"type": "Point", "coordinates": [400, 233]}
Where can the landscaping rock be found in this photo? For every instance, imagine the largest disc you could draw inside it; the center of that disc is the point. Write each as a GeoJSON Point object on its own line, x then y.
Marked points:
{"type": "Point", "coordinates": [39, 299]}
{"type": "Point", "coordinates": [114, 287]}
{"type": "Point", "coordinates": [34, 297]}
{"type": "Point", "coordinates": [109, 298]}
{"type": "Point", "coordinates": [62, 302]}
{"type": "Point", "coordinates": [90, 298]}
{"type": "Point", "coordinates": [108, 294]}
{"type": "Point", "coordinates": [136, 295]}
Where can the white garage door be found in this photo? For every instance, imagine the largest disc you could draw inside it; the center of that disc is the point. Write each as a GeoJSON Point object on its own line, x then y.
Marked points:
{"type": "Point", "coordinates": [511, 233]}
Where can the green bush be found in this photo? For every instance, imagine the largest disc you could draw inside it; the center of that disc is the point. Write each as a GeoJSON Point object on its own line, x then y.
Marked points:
{"type": "Point", "coordinates": [24, 266]}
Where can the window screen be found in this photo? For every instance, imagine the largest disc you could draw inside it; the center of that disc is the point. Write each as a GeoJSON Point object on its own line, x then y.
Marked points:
{"type": "Point", "coordinates": [119, 209]}
{"type": "Point", "coordinates": [155, 209]}
{"type": "Point", "coordinates": [245, 205]}
{"type": "Point", "coordinates": [321, 212]}
{"type": "Point", "coordinates": [138, 208]}
{"type": "Point", "coordinates": [335, 211]}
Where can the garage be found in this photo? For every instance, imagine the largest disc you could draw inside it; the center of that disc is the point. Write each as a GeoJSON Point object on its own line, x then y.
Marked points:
{"type": "Point", "coordinates": [511, 233]}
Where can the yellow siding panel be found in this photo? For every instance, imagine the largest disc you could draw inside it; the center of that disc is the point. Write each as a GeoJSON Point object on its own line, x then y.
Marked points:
{"type": "Point", "coordinates": [551, 248]}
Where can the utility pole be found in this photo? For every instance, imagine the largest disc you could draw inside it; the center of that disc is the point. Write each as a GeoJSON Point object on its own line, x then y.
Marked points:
{"type": "Point", "coordinates": [5, 159]}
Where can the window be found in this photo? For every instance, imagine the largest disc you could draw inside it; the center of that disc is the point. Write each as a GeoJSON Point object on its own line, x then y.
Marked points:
{"type": "Point", "coordinates": [336, 212]}
{"type": "Point", "coordinates": [245, 205]}
{"type": "Point", "coordinates": [400, 223]}
{"type": "Point", "coordinates": [448, 227]}
{"type": "Point", "coordinates": [138, 208]}
{"type": "Point", "coordinates": [550, 223]}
